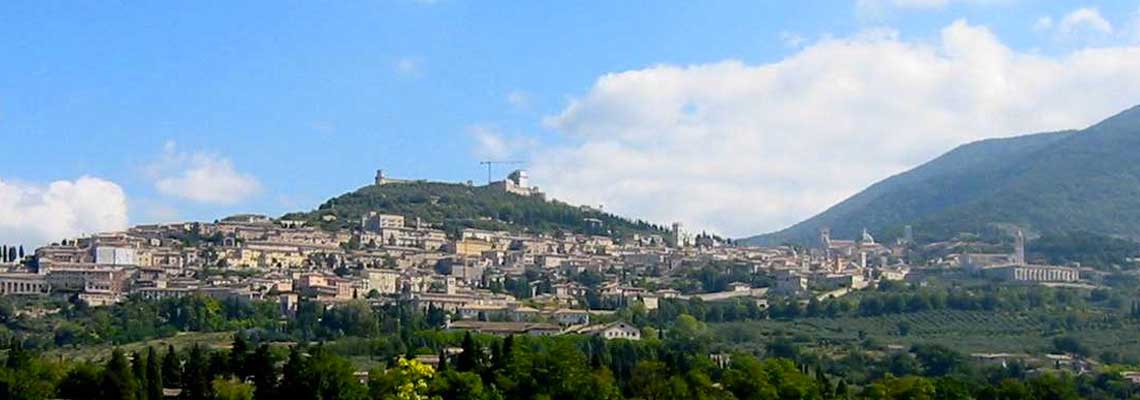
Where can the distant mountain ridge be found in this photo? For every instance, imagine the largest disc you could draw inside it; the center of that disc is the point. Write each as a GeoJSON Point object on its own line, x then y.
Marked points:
{"type": "Point", "coordinates": [453, 206]}
{"type": "Point", "coordinates": [1057, 182]}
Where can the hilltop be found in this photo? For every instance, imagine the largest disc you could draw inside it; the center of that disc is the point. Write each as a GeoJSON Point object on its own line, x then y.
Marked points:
{"type": "Point", "coordinates": [457, 206]}
{"type": "Point", "coordinates": [1047, 183]}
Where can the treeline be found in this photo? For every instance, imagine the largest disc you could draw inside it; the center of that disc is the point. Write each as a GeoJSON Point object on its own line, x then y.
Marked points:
{"type": "Point", "coordinates": [894, 300]}
{"type": "Point", "coordinates": [137, 319]}
{"type": "Point", "coordinates": [1087, 248]}
{"type": "Point", "coordinates": [526, 367]}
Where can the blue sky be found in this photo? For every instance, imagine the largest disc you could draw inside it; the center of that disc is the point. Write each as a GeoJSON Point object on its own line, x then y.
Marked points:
{"type": "Point", "coordinates": [289, 103]}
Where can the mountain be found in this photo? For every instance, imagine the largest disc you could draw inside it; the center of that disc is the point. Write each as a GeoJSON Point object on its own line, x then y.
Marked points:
{"type": "Point", "coordinates": [456, 206]}
{"type": "Point", "coordinates": [1046, 183]}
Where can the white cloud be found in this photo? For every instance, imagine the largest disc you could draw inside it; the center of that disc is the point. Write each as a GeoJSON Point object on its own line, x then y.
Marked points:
{"type": "Point", "coordinates": [493, 144]}
{"type": "Point", "coordinates": [744, 149]}
{"type": "Point", "coordinates": [37, 214]}
{"type": "Point", "coordinates": [1084, 20]}
{"type": "Point", "coordinates": [201, 177]}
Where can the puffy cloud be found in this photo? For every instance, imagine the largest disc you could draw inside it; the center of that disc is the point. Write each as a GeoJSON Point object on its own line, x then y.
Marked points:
{"type": "Point", "coordinates": [37, 214]}
{"type": "Point", "coordinates": [744, 149]}
{"type": "Point", "coordinates": [201, 177]}
{"type": "Point", "coordinates": [1084, 20]}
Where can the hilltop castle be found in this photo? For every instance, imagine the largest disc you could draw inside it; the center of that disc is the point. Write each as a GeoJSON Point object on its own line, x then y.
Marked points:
{"type": "Point", "coordinates": [383, 180]}
{"type": "Point", "coordinates": [517, 182]}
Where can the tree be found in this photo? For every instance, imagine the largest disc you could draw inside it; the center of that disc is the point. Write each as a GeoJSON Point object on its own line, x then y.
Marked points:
{"type": "Point", "coordinates": [443, 360]}
{"type": "Point", "coordinates": [17, 357]}
{"type": "Point", "coordinates": [218, 365]}
{"type": "Point", "coordinates": [138, 369]}
{"type": "Point", "coordinates": [196, 379]}
{"type": "Point", "coordinates": [332, 377]}
{"type": "Point", "coordinates": [264, 372]}
{"type": "Point", "coordinates": [650, 381]}
{"type": "Point", "coordinates": [171, 368]}
{"type": "Point", "coordinates": [231, 389]}
{"type": "Point", "coordinates": [1069, 344]}
{"type": "Point", "coordinates": [458, 386]}
{"type": "Point", "coordinates": [294, 377]}
{"type": "Point", "coordinates": [910, 387]}
{"type": "Point", "coordinates": [153, 375]}
{"type": "Point", "coordinates": [747, 379]}
{"type": "Point", "coordinates": [468, 360]}
{"type": "Point", "coordinates": [687, 327]}
{"type": "Point", "coordinates": [82, 382]}
{"type": "Point", "coordinates": [118, 382]}
{"type": "Point", "coordinates": [238, 353]}
{"type": "Point", "coordinates": [407, 381]}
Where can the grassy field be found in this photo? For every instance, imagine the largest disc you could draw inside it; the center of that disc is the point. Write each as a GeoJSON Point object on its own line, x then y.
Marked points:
{"type": "Point", "coordinates": [99, 353]}
{"type": "Point", "coordinates": [965, 331]}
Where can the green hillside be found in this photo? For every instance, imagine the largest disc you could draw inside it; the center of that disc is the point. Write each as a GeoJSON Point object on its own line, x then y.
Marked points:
{"type": "Point", "coordinates": [456, 206]}
{"type": "Point", "coordinates": [1049, 183]}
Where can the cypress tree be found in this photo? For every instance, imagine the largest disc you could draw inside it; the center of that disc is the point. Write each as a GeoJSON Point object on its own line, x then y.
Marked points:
{"type": "Point", "coordinates": [153, 375]}
{"type": "Point", "coordinates": [118, 383]}
{"type": "Point", "coordinates": [443, 360]}
{"type": "Point", "coordinates": [196, 380]}
{"type": "Point", "coordinates": [238, 353]}
{"type": "Point", "coordinates": [264, 373]}
{"type": "Point", "coordinates": [138, 369]}
{"type": "Point", "coordinates": [219, 366]}
{"type": "Point", "coordinates": [497, 355]}
{"type": "Point", "coordinates": [468, 359]}
{"type": "Point", "coordinates": [172, 368]}
{"type": "Point", "coordinates": [294, 377]}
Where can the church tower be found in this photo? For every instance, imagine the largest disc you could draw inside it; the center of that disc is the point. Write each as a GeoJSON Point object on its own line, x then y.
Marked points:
{"type": "Point", "coordinates": [1019, 248]}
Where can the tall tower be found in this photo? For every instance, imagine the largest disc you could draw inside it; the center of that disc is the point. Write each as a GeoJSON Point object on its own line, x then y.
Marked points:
{"type": "Point", "coordinates": [825, 237]}
{"type": "Point", "coordinates": [1019, 248]}
{"type": "Point", "coordinates": [379, 177]}
{"type": "Point", "coordinates": [678, 238]}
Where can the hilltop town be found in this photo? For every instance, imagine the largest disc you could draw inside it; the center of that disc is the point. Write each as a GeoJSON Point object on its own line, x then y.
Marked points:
{"type": "Point", "coordinates": [485, 280]}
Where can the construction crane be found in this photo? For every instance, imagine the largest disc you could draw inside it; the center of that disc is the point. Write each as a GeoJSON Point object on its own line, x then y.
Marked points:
{"type": "Point", "coordinates": [491, 163]}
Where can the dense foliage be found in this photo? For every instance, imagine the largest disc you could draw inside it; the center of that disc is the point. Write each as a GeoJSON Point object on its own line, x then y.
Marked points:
{"type": "Point", "coordinates": [1085, 248]}
{"type": "Point", "coordinates": [136, 320]}
{"type": "Point", "coordinates": [457, 206]}
{"type": "Point", "coordinates": [680, 366]}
